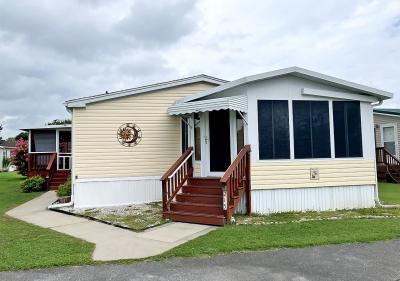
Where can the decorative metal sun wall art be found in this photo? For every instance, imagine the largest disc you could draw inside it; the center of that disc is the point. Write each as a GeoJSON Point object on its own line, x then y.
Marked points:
{"type": "Point", "coordinates": [129, 134]}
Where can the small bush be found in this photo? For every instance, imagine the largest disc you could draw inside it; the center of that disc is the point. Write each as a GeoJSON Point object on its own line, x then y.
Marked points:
{"type": "Point", "coordinates": [65, 188]}
{"type": "Point", "coordinates": [34, 184]}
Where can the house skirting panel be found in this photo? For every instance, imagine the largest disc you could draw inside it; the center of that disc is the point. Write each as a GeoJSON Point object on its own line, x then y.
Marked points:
{"type": "Point", "coordinates": [267, 201]}
{"type": "Point", "coordinates": [101, 192]}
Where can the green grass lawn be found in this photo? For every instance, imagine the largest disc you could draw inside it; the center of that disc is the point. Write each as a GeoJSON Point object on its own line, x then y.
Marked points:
{"type": "Point", "coordinates": [241, 238]}
{"type": "Point", "coordinates": [287, 230]}
{"type": "Point", "coordinates": [389, 193]}
{"type": "Point", "coordinates": [25, 246]}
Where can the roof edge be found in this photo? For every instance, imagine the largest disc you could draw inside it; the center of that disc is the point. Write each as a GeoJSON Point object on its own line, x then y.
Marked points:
{"type": "Point", "coordinates": [296, 71]}
{"type": "Point", "coordinates": [81, 102]}
{"type": "Point", "coordinates": [388, 111]}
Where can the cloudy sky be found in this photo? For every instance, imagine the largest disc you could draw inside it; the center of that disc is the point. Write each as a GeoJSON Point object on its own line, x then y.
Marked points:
{"type": "Point", "coordinates": [52, 51]}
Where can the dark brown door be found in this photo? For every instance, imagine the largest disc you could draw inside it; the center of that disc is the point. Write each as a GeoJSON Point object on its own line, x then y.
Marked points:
{"type": "Point", "coordinates": [220, 148]}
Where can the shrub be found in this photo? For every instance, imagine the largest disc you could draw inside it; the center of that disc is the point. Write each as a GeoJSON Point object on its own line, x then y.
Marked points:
{"type": "Point", "coordinates": [65, 188]}
{"type": "Point", "coordinates": [19, 156]}
{"type": "Point", "coordinates": [35, 183]}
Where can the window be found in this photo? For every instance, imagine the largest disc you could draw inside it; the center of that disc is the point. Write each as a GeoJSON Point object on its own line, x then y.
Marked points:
{"type": "Point", "coordinates": [273, 129]}
{"type": "Point", "coordinates": [239, 132]}
{"type": "Point", "coordinates": [64, 141]}
{"type": "Point", "coordinates": [311, 129]}
{"type": "Point", "coordinates": [184, 134]}
{"type": "Point", "coordinates": [197, 137]}
{"type": "Point", "coordinates": [347, 129]}
{"type": "Point", "coordinates": [389, 138]}
{"type": "Point", "coordinates": [43, 141]}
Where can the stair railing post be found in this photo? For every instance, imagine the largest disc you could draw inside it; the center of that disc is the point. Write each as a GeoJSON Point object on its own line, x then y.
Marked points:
{"type": "Point", "coordinates": [164, 195]}
{"type": "Point", "coordinates": [248, 184]}
{"type": "Point", "coordinates": [190, 166]}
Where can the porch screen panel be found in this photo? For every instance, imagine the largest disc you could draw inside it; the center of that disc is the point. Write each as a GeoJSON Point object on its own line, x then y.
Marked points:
{"type": "Point", "coordinates": [347, 129]}
{"type": "Point", "coordinates": [197, 138]}
{"type": "Point", "coordinates": [311, 129]}
{"type": "Point", "coordinates": [273, 129]}
{"type": "Point", "coordinates": [184, 134]}
{"type": "Point", "coordinates": [43, 141]}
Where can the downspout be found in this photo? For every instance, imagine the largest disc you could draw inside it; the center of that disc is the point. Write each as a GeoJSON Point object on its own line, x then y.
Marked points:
{"type": "Point", "coordinates": [69, 204]}
{"type": "Point", "coordinates": [377, 201]}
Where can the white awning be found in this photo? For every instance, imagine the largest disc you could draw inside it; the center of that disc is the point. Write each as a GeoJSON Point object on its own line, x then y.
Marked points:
{"type": "Point", "coordinates": [238, 103]}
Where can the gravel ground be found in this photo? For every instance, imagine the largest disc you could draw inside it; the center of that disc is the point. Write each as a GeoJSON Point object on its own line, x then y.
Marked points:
{"type": "Point", "coordinates": [137, 217]}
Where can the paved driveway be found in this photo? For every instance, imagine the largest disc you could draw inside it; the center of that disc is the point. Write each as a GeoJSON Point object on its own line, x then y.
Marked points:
{"type": "Point", "coordinates": [375, 261]}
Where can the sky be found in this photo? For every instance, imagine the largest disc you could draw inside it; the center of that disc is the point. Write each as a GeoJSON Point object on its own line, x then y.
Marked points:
{"type": "Point", "coordinates": [53, 51]}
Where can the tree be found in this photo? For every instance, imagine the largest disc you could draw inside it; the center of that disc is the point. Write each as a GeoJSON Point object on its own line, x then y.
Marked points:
{"type": "Point", "coordinates": [1, 129]}
{"type": "Point", "coordinates": [19, 156]}
{"type": "Point", "coordinates": [60, 122]}
{"type": "Point", "coordinates": [22, 135]}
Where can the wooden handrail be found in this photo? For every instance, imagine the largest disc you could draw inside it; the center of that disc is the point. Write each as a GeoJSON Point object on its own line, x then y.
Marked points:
{"type": "Point", "coordinates": [385, 157]}
{"type": "Point", "coordinates": [177, 163]}
{"type": "Point", "coordinates": [236, 181]}
{"type": "Point", "coordinates": [53, 158]}
{"type": "Point", "coordinates": [176, 177]}
{"type": "Point", "coordinates": [235, 162]}
{"type": "Point", "coordinates": [51, 167]}
{"type": "Point", "coordinates": [39, 161]}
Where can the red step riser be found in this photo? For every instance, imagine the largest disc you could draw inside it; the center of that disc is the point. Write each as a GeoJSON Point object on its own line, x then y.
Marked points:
{"type": "Point", "coordinates": [58, 180]}
{"type": "Point", "coordinates": [197, 209]}
{"type": "Point", "coordinates": [202, 190]}
{"type": "Point", "coordinates": [196, 219]}
{"type": "Point", "coordinates": [204, 182]}
{"type": "Point", "coordinates": [192, 198]}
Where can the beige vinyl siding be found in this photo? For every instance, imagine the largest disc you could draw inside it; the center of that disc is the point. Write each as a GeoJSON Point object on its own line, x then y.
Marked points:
{"type": "Point", "coordinates": [97, 151]}
{"type": "Point", "coordinates": [385, 119]}
{"type": "Point", "coordinates": [197, 168]}
{"type": "Point", "coordinates": [295, 174]}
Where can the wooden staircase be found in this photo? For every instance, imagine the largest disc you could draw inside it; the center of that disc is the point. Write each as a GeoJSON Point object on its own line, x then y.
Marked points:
{"type": "Point", "coordinates": [199, 202]}
{"type": "Point", "coordinates": [59, 177]}
{"type": "Point", "coordinates": [387, 166]}
{"type": "Point", "coordinates": [206, 200]}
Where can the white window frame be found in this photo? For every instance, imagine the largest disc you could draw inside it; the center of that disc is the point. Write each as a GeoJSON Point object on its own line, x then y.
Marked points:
{"type": "Point", "coordinates": [388, 125]}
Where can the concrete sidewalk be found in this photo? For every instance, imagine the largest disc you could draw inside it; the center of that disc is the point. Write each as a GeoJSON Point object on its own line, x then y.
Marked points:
{"type": "Point", "coordinates": [112, 243]}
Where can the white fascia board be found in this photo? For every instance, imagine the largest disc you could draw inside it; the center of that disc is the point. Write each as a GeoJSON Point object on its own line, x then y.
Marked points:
{"type": "Point", "coordinates": [337, 95]}
{"type": "Point", "coordinates": [82, 102]}
{"type": "Point", "coordinates": [299, 72]}
{"type": "Point", "coordinates": [386, 114]}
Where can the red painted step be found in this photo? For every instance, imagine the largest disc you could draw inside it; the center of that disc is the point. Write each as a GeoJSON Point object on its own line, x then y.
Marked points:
{"type": "Point", "coordinates": [187, 207]}
{"type": "Point", "coordinates": [204, 181]}
{"type": "Point", "coordinates": [199, 198]}
{"type": "Point", "coordinates": [211, 190]}
{"type": "Point", "coordinates": [59, 177]}
{"type": "Point", "coordinates": [195, 218]}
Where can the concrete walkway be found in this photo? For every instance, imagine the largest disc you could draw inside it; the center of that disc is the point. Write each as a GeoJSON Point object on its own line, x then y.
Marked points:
{"type": "Point", "coordinates": [112, 243]}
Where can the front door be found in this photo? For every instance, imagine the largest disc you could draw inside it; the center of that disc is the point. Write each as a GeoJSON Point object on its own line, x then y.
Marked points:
{"type": "Point", "coordinates": [219, 141]}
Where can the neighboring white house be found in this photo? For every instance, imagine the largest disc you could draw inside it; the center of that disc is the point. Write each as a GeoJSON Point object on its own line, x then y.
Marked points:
{"type": "Point", "coordinates": [311, 138]}
{"type": "Point", "coordinates": [5, 156]}
{"type": "Point", "coordinates": [387, 129]}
